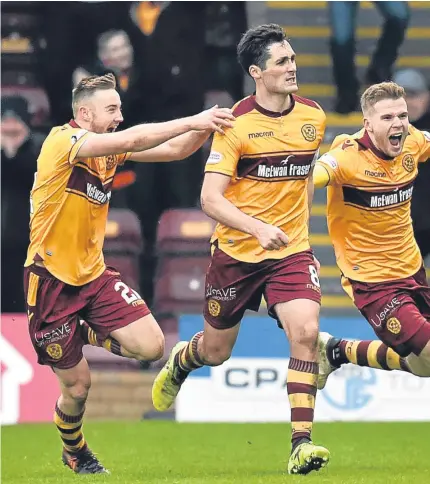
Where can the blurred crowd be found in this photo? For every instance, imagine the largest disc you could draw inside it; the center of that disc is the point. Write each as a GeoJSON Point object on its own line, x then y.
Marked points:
{"type": "Point", "coordinates": [171, 59]}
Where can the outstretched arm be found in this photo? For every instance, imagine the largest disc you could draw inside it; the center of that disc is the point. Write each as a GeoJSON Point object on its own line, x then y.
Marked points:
{"type": "Point", "coordinates": [146, 136]}
{"type": "Point", "coordinates": [175, 149]}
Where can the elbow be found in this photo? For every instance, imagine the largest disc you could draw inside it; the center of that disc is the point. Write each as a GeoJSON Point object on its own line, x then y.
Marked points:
{"type": "Point", "coordinates": [207, 203]}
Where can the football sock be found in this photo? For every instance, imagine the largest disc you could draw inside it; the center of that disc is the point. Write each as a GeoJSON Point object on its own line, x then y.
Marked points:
{"type": "Point", "coordinates": [373, 354]}
{"type": "Point", "coordinates": [110, 344]}
{"type": "Point", "coordinates": [188, 359]}
{"type": "Point", "coordinates": [70, 429]}
{"type": "Point", "coordinates": [302, 388]}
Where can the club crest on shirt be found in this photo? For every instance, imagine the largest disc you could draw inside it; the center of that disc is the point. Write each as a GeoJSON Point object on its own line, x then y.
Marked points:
{"type": "Point", "coordinates": [408, 163]}
{"type": "Point", "coordinates": [309, 132]}
{"type": "Point", "coordinates": [110, 162]}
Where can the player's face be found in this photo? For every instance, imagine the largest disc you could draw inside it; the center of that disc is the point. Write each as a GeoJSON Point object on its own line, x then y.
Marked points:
{"type": "Point", "coordinates": [105, 111]}
{"type": "Point", "coordinates": [388, 122]}
{"type": "Point", "coordinates": [279, 76]}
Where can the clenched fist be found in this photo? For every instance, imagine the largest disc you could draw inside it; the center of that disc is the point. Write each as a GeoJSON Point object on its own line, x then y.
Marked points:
{"type": "Point", "coordinates": [270, 237]}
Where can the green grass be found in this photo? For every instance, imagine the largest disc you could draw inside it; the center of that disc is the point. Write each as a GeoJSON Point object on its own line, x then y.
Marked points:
{"type": "Point", "coordinates": [168, 452]}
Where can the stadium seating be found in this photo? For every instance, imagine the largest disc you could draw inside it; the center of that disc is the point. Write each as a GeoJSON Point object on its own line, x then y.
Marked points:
{"type": "Point", "coordinates": [124, 244]}
{"type": "Point", "coordinates": [184, 232]}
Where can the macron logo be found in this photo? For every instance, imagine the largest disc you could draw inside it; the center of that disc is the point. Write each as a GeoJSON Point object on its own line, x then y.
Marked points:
{"type": "Point", "coordinates": [263, 134]}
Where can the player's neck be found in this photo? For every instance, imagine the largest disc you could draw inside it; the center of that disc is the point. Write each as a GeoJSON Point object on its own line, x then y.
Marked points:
{"type": "Point", "coordinates": [276, 103]}
{"type": "Point", "coordinates": [82, 124]}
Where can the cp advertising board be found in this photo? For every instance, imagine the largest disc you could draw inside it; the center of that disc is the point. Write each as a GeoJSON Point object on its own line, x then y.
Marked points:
{"type": "Point", "coordinates": [250, 387]}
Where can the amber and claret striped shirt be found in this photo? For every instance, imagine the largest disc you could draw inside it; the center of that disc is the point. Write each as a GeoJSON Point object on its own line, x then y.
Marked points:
{"type": "Point", "coordinates": [369, 206]}
{"type": "Point", "coordinates": [269, 157]}
{"type": "Point", "coordinates": [69, 206]}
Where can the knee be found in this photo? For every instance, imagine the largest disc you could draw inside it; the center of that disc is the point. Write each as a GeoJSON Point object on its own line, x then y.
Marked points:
{"type": "Point", "coordinates": [305, 335]}
{"type": "Point", "coordinates": [215, 355]}
{"type": "Point", "coordinates": [78, 392]}
{"type": "Point", "coordinates": [151, 350]}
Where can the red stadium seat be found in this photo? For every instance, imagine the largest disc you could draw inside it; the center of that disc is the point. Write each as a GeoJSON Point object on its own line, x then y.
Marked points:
{"type": "Point", "coordinates": [124, 244]}
{"type": "Point", "coordinates": [180, 285]}
{"type": "Point", "coordinates": [184, 231]}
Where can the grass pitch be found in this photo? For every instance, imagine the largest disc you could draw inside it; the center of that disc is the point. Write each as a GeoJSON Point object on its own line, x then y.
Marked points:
{"type": "Point", "coordinates": [167, 452]}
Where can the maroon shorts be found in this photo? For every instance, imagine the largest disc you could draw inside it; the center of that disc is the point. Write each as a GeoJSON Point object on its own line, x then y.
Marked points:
{"type": "Point", "coordinates": [55, 310]}
{"type": "Point", "coordinates": [233, 286]}
{"type": "Point", "coordinates": [398, 311]}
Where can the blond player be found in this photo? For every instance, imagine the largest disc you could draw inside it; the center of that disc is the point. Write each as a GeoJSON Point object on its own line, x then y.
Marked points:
{"type": "Point", "coordinates": [65, 276]}
{"type": "Point", "coordinates": [370, 177]}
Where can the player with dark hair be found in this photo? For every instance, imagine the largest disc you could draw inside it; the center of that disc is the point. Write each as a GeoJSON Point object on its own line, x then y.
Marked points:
{"type": "Point", "coordinates": [65, 277]}
{"type": "Point", "coordinates": [258, 187]}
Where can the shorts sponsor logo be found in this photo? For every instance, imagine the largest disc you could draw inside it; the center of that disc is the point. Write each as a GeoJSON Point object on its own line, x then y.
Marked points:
{"type": "Point", "coordinates": [98, 195]}
{"type": "Point", "coordinates": [57, 334]}
{"type": "Point", "coordinates": [227, 294]}
{"type": "Point", "coordinates": [408, 163]}
{"type": "Point", "coordinates": [214, 158]}
{"type": "Point", "coordinates": [55, 351]}
{"type": "Point", "coordinates": [381, 317]}
{"type": "Point", "coordinates": [263, 134]}
{"type": "Point", "coordinates": [394, 326]}
{"type": "Point", "coordinates": [329, 160]}
{"type": "Point", "coordinates": [309, 132]}
{"type": "Point", "coordinates": [214, 307]}
{"type": "Point", "coordinates": [375, 174]}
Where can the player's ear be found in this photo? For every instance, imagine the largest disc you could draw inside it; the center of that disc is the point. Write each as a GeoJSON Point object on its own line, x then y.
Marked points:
{"type": "Point", "coordinates": [367, 124]}
{"type": "Point", "coordinates": [85, 113]}
{"type": "Point", "coordinates": [254, 72]}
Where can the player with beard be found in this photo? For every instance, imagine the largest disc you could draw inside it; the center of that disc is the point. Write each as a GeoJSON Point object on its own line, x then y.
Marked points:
{"type": "Point", "coordinates": [65, 277]}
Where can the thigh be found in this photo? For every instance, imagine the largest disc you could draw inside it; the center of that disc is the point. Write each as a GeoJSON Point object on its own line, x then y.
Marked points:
{"type": "Point", "coordinates": [219, 340]}
{"type": "Point", "coordinates": [398, 322]}
{"type": "Point", "coordinates": [53, 321]}
{"type": "Point", "coordinates": [231, 288]}
{"type": "Point", "coordinates": [140, 337]}
{"type": "Point", "coordinates": [112, 304]}
{"type": "Point", "coordinates": [299, 319]}
{"type": "Point", "coordinates": [294, 277]}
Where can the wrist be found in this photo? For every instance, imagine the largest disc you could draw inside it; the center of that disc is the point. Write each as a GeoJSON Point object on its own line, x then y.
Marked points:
{"type": "Point", "coordinates": [255, 227]}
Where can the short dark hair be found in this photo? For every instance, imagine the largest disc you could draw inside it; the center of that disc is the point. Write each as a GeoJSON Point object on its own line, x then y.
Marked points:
{"type": "Point", "coordinates": [89, 86]}
{"type": "Point", "coordinates": [253, 48]}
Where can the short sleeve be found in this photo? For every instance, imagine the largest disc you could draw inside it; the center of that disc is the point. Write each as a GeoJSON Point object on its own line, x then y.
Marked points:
{"type": "Point", "coordinates": [123, 157]}
{"type": "Point", "coordinates": [336, 166]}
{"type": "Point", "coordinates": [225, 153]}
{"type": "Point", "coordinates": [76, 138]}
{"type": "Point", "coordinates": [424, 143]}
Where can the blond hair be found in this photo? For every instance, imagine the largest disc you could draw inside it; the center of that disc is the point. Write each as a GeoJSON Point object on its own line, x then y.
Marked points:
{"type": "Point", "coordinates": [379, 92]}
{"type": "Point", "coordinates": [89, 86]}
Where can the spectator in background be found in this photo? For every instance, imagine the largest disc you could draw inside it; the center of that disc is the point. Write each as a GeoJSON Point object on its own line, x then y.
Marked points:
{"type": "Point", "coordinates": [342, 45]}
{"type": "Point", "coordinates": [115, 55]}
{"type": "Point", "coordinates": [418, 100]}
{"type": "Point", "coordinates": [19, 151]}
